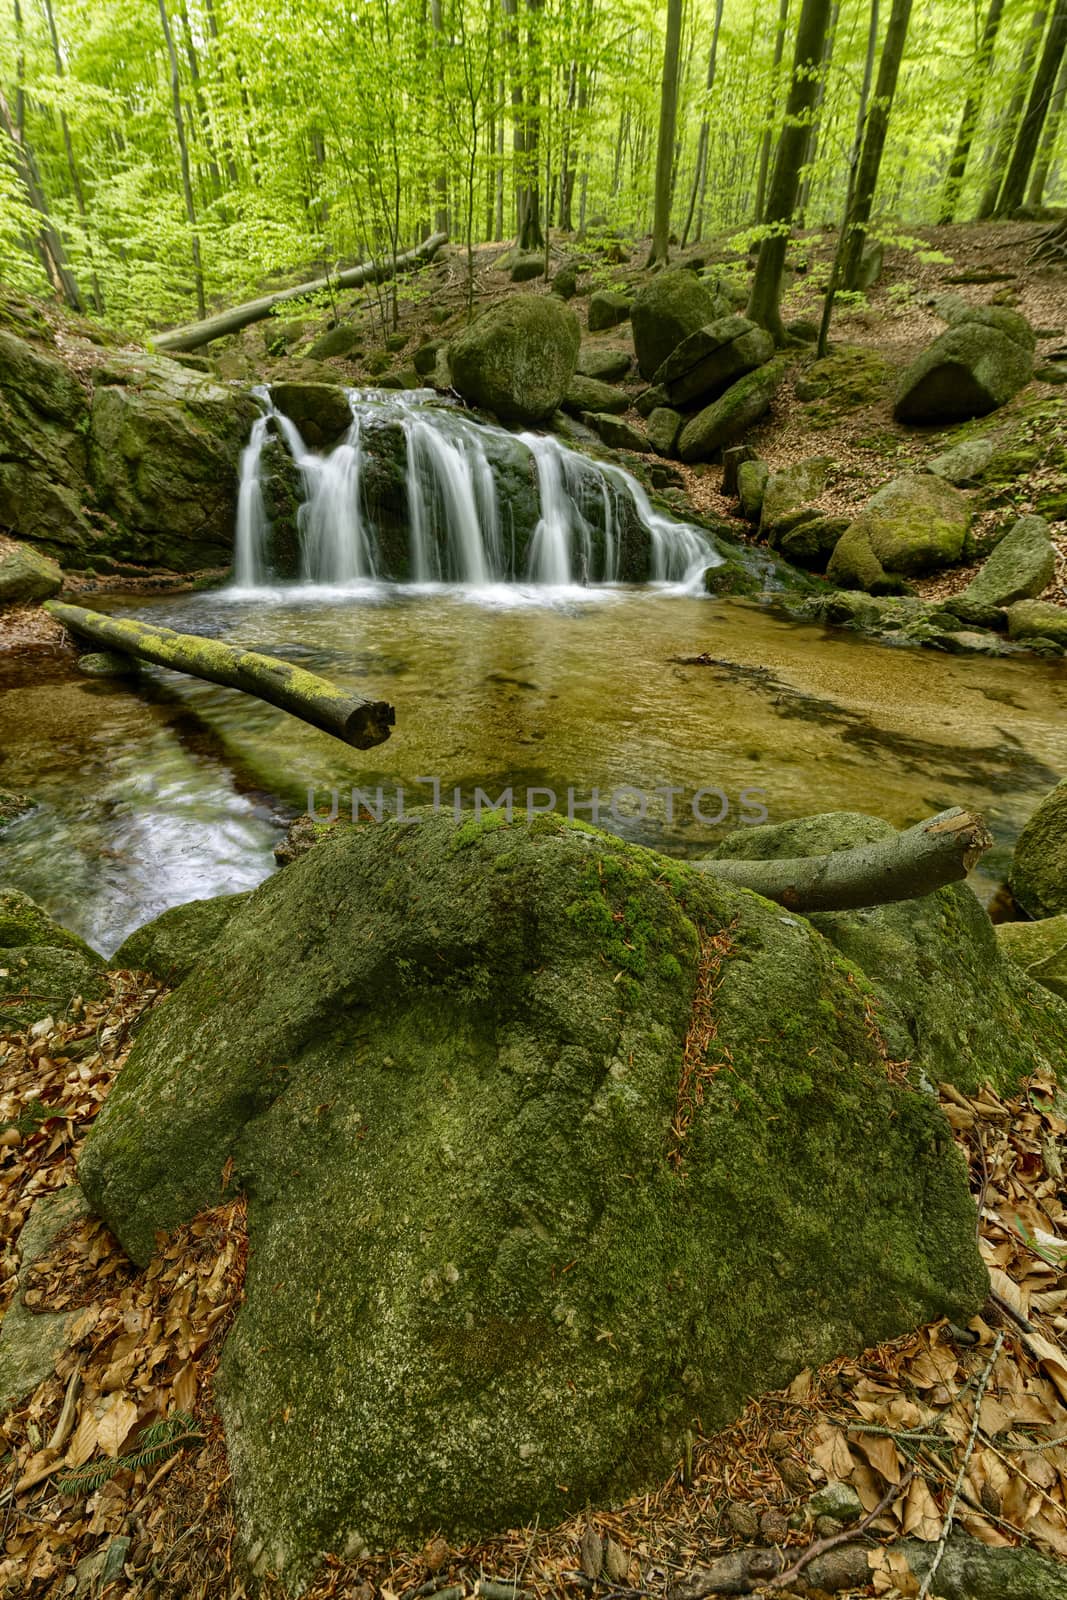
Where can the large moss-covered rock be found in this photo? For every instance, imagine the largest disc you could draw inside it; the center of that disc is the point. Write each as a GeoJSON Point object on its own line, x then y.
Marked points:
{"type": "Point", "coordinates": [1040, 948]}
{"type": "Point", "coordinates": [728, 418]}
{"type": "Point", "coordinates": [42, 965]}
{"type": "Point", "coordinates": [43, 409]}
{"type": "Point", "coordinates": [1039, 866]}
{"type": "Point", "coordinates": [589, 394]}
{"type": "Point", "coordinates": [712, 358]}
{"type": "Point", "coordinates": [987, 1022]}
{"type": "Point", "coordinates": [518, 357]}
{"type": "Point", "coordinates": [788, 495]}
{"type": "Point", "coordinates": [607, 362]}
{"type": "Point", "coordinates": [550, 1144]}
{"type": "Point", "coordinates": [667, 310]}
{"type": "Point", "coordinates": [607, 308]}
{"type": "Point", "coordinates": [1030, 620]}
{"type": "Point", "coordinates": [915, 524]}
{"type": "Point", "coordinates": [171, 944]}
{"type": "Point", "coordinates": [969, 371]}
{"type": "Point", "coordinates": [321, 411]}
{"type": "Point", "coordinates": [26, 574]}
{"type": "Point", "coordinates": [1020, 567]}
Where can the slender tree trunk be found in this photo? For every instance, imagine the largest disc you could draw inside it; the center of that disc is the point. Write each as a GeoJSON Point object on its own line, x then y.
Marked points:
{"type": "Point", "coordinates": [498, 230]}
{"type": "Point", "coordinates": [183, 151]}
{"type": "Point", "coordinates": [765, 147]}
{"type": "Point", "coordinates": [813, 135]}
{"type": "Point", "coordinates": [998, 164]}
{"type": "Point", "coordinates": [48, 244]}
{"type": "Point", "coordinates": [440, 181]}
{"type": "Point", "coordinates": [72, 165]}
{"type": "Point", "coordinates": [874, 139]}
{"type": "Point", "coordinates": [668, 115]}
{"type": "Point", "coordinates": [763, 305]}
{"type": "Point", "coordinates": [1032, 125]}
{"type": "Point", "coordinates": [1049, 139]}
{"type": "Point", "coordinates": [202, 118]}
{"type": "Point", "coordinates": [972, 110]}
{"type": "Point", "coordinates": [701, 169]}
{"type": "Point", "coordinates": [853, 167]}
{"type": "Point", "coordinates": [213, 31]}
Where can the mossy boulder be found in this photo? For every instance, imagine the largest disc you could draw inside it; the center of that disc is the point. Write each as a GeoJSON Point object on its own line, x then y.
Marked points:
{"type": "Point", "coordinates": [106, 664]}
{"type": "Point", "coordinates": [616, 432]}
{"type": "Point", "coordinates": [31, 1339]}
{"type": "Point", "coordinates": [1039, 948]}
{"type": "Point", "coordinates": [26, 574]}
{"type": "Point", "coordinates": [843, 381]}
{"type": "Point", "coordinates": [171, 944]}
{"type": "Point", "coordinates": [668, 309]}
{"type": "Point", "coordinates": [712, 358]}
{"type": "Point", "coordinates": [321, 411]}
{"type": "Point", "coordinates": [1037, 619]}
{"type": "Point", "coordinates": [915, 524]}
{"type": "Point", "coordinates": [42, 965]}
{"type": "Point", "coordinates": [1020, 567]}
{"type": "Point", "coordinates": [727, 419]}
{"type": "Point", "coordinates": [752, 480]}
{"type": "Point", "coordinates": [607, 308]}
{"type": "Point", "coordinates": [972, 369]}
{"type": "Point", "coordinates": [788, 495]}
{"type": "Point", "coordinates": [606, 362]}
{"type": "Point", "coordinates": [812, 541]}
{"type": "Point", "coordinates": [344, 340]}
{"type": "Point", "coordinates": [550, 1144]}
{"type": "Point", "coordinates": [589, 394]}
{"type": "Point", "coordinates": [854, 565]}
{"type": "Point", "coordinates": [988, 1023]}
{"type": "Point", "coordinates": [1039, 865]}
{"type": "Point", "coordinates": [663, 427]}
{"type": "Point", "coordinates": [43, 461]}
{"type": "Point", "coordinates": [518, 357]}
{"type": "Point", "coordinates": [965, 463]}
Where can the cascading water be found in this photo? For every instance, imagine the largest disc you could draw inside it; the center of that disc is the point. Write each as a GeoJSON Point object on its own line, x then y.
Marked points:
{"type": "Point", "coordinates": [576, 521]}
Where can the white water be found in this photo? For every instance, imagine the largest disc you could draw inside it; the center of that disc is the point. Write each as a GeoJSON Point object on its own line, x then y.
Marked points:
{"type": "Point", "coordinates": [456, 529]}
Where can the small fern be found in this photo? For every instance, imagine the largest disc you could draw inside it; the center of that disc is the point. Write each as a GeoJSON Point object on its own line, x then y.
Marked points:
{"type": "Point", "coordinates": [156, 1443]}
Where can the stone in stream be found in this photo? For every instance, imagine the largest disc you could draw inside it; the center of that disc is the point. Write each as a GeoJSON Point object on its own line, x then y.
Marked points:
{"type": "Point", "coordinates": [1039, 865]}
{"type": "Point", "coordinates": [1022, 564]}
{"type": "Point", "coordinates": [607, 309]}
{"type": "Point", "coordinates": [456, 1067]}
{"type": "Point", "coordinates": [171, 944]}
{"type": "Point", "coordinates": [667, 310]}
{"type": "Point", "coordinates": [726, 419]}
{"type": "Point", "coordinates": [13, 806]}
{"type": "Point", "coordinates": [42, 965]}
{"type": "Point", "coordinates": [1039, 948]}
{"type": "Point", "coordinates": [517, 358]}
{"type": "Point", "coordinates": [589, 394]}
{"type": "Point", "coordinates": [1030, 620]}
{"type": "Point", "coordinates": [26, 574]}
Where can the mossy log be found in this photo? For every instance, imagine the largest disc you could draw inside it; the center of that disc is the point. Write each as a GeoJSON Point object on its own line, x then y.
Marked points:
{"type": "Point", "coordinates": [195, 334]}
{"type": "Point", "coordinates": [940, 850]}
{"type": "Point", "coordinates": [303, 694]}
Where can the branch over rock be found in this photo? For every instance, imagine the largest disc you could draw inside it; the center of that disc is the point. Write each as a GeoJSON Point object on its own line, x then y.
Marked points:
{"type": "Point", "coordinates": [303, 694]}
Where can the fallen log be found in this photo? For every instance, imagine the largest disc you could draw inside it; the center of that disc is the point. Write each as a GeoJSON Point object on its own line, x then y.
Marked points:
{"type": "Point", "coordinates": [314, 700]}
{"type": "Point", "coordinates": [941, 850]}
{"type": "Point", "coordinates": [195, 334]}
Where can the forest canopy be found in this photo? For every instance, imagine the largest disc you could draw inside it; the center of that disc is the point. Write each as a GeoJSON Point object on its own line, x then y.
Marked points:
{"type": "Point", "coordinates": [163, 155]}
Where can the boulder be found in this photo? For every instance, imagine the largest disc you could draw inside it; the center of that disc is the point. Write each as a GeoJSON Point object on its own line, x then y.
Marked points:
{"type": "Point", "coordinates": [727, 418]}
{"type": "Point", "coordinates": [26, 574]}
{"type": "Point", "coordinates": [106, 664]}
{"type": "Point", "coordinates": [604, 361]}
{"type": "Point", "coordinates": [970, 370]}
{"type": "Point", "coordinates": [321, 411]}
{"type": "Point", "coordinates": [1020, 567]}
{"type": "Point", "coordinates": [607, 309]}
{"type": "Point", "coordinates": [43, 459]}
{"type": "Point", "coordinates": [663, 428]}
{"type": "Point", "coordinates": [528, 266]}
{"type": "Point", "coordinates": [712, 358]}
{"type": "Point", "coordinates": [171, 944]}
{"type": "Point", "coordinates": [752, 480]}
{"type": "Point", "coordinates": [1039, 865]}
{"type": "Point", "coordinates": [615, 431]}
{"type": "Point", "coordinates": [787, 497]}
{"type": "Point", "coordinates": [1039, 948]}
{"type": "Point", "coordinates": [344, 340]}
{"type": "Point", "coordinates": [425, 357]}
{"type": "Point", "coordinates": [854, 565]}
{"type": "Point", "coordinates": [31, 1340]}
{"type": "Point", "coordinates": [1037, 619]}
{"type": "Point", "coordinates": [511, 1215]}
{"type": "Point", "coordinates": [965, 463]}
{"type": "Point", "coordinates": [518, 357]}
{"type": "Point", "coordinates": [957, 312]}
{"type": "Point", "coordinates": [812, 541]}
{"type": "Point", "coordinates": [668, 309]}
{"type": "Point", "coordinates": [42, 965]}
{"type": "Point", "coordinates": [916, 523]}
{"type": "Point", "coordinates": [565, 281]}
{"type": "Point", "coordinates": [589, 394]}
{"type": "Point", "coordinates": [647, 401]}
{"type": "Point", "coordinates": [871, 265]}
{"type": "Point", "coordinates": [843, 381]}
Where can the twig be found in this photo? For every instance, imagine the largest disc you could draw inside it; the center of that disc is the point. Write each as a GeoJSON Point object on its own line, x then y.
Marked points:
{"type": "Point", "coordinates": [65, 1426]}
{"type": "Point", "coordinates": [931, 1571]}
{"type": "Point", "coordinates": [821, 1546]}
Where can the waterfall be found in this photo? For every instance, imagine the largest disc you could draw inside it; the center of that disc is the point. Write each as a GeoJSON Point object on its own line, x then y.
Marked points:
{"type": "Point", "coordinates": [573, 524]}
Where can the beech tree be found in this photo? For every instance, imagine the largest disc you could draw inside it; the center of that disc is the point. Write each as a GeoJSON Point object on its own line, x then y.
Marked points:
{"type": "Point", "coordinates": [874, 138]}
{"type": "Point", "coordinates": [661, 225]}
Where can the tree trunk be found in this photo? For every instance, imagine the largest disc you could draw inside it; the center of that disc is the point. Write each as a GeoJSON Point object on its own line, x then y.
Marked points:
{"type": "Point", "coordinates": [183, 152]}
{"type": "Point", "coordinates": [668, 114]}
{"type": "Point", "coordinates": [941, 850]}
{"type": "Point", "coordinates": [440, 182]}
{"type": "Point", "coordinates": [49, 244]}
{"type": "Point", "coordinates": [195, 334]}
{"type": "Point", "coordinates": [999, 162]}
{"type": "Point", "coordinates": [314, 700]}
{"type": "Point", "coordinates": [765, 145]}
{"type": "Point", "coordinates": [763, 305]}
{"type": "Point", "coordinates": [813, 135]}
{"type": "Point", "coordinates": [700, 171]}
{"type": "Point", "coordinates": [1049, 139]}
{"type": "Point", "coordinates": [874, 140]}
{"type": "Point", "coordinates": [1017, 176]}
{"type": "Point", "coordinates": [853, 165]}
{"type": "Point", "coordinates": [972, 110]}
{"type": "Point", "coordinates": [72, 165]}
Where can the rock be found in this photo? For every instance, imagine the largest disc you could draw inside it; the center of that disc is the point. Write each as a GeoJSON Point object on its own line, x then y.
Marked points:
{"type": "Point", "coordinates": [1037, 619]}
{"type": "Point", "coordinates": [26, 574]}
{"type": "Point", "coordinates": [713, 357]}
{"type": "Point", "coordinates": [344, 340]}
{"type": "Point", "coordinates": [615, 431]}
{"type": "Point", "coordinates": [915, 524]}
{"type": "Point", "coordinates": [1054, 372]}
{"type": "Point", "coordinates": [395, 341]}
{"type": "Point", "coordinates": [803, 331]}
{"type": "Point", "coordinates": [733, 291]}
{"type": "Point", "coordinates": [964, 464]}
{"type": "Point", "coordinates": [958, 1033]}
{"type": "Point", "coordinates": [969, 371]}
{"type": "Point", "coordinates": [649, 399]}
{"type": "Point", "coordinates": [42, 965]}
{"type": "Point", "coordinates": [958, 312]}
{"type": "Point", "coordinates": [517, 358]}
{"type": "Point", "coordinates": [974, 615]}
{"type": "Point", "coordinates": [838, 1500]}
{"type": "Point", "coordinates": [811, 542]}
{"type": "Point", "coordinates": [669, 308]}
{"type": "Point", "coordinates": [1020, 567]}
{"type": "Point", "coordinates": [969, 1570]}
{"type": "Point", "coordinates": [787, 495]}
{"type": "Point", "coordinates": [752, 480]}
{"type": "Point", "coordinates": [606, 362]}
{"type": "Point", "coordinates": [854, 565]}
{"type": "Point", "coordinates": [565, 283]}
{"type": "Point", "coordinates": [589, 394]}
{"type": "Point", "coordinates": [1039, 865]}
{"type": "Point", "coordinates": [727, 418]}
{"type": "Point", "coordinates": [844, 380]}
{"type": "Point", "coordinates": [607, 309]}
{"type": "Point", "coordinates": [171, 944]}
{"type": "Point", "coordinates": [425, 358]}
{"type": "Point", "coordinates": [1039, 948]}
{"type": "Point", "coordinates": [423, 1159]}
{"type": "Point", "coordinates": [321, 411]}
{"type": "Point", "coordinates": [732, 457]}
{"type": "Point", "coordinates": [526, 267]}
{"type": "Point", "coordinates": [31, 1340]}
{"type": "Point", "coordinates": [13, 806]}
{"type": "Point", "coordinates": [663, 428]}
{"type": "Point", "coordinates": [43, 458]}
{"type": "Point", "coordinates": [106, 664]}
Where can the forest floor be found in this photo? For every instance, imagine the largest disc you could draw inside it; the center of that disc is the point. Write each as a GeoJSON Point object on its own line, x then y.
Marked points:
{"type": "Point", "coordinates": [116, 1462]}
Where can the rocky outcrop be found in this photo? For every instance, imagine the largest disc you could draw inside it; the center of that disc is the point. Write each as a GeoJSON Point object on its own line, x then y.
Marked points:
{"type": "Point", "coordinates": [977, 365]}
{"type": "Point", "coordinates": [1020, 567]}
{"type": "Point", "coordinates": [667, 310]}
{"type": "Point", "coordinates": [26, 574]}
{"type": "Point", "coordinates": [517, 358]}
{"type": "Point", "coordinates": [1039, 865]}
{"type": "Point", "coordinates": [439, 1057]}
{"type": "Point", "coordinates": [42, 965]}
{"type": "Point", "coordinates": [728, 418]}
